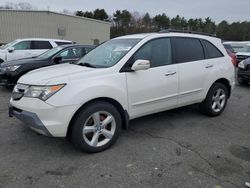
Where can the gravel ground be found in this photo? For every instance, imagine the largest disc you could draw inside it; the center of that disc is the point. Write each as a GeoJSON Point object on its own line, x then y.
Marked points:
{"type": "Point", "coordinates": [176, 149]}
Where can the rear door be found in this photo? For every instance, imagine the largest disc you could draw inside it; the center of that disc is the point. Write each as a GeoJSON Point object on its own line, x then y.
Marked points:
{"type": "Point", "coordinates": [39, 47]}
{"type": "Point", "coordinates": [193, 69]}
{"type": "Point", "coordinates": [155, 89]}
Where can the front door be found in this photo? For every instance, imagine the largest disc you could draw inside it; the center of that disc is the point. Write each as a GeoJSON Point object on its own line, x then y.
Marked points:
{"type": "Point", "coordinates": [155, 89]}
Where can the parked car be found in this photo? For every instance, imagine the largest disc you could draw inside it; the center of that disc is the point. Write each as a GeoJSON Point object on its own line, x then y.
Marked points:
{"type": "Point", "coordinates": [244, 72]}
{"type": "Point", "coordinates": [123, 79]}
{"type": "Point", "coordinates": [242, 49]}
{"type": "Point", "coordinates": [11, 71]}
{"type": "Point", "coordinates": [29, 47]}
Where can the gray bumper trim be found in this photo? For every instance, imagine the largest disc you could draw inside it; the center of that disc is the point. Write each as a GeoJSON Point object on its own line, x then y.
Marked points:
{"type": "Point", "coordinates": [30, 119]}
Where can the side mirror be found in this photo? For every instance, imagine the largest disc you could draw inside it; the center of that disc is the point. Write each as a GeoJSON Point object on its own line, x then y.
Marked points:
{"type": "Point", "coordinates": [58, 59]}
{"type": "Point", "coordinates": [141, 64]}
{"type": "Point", "coordinates": [11, 49]}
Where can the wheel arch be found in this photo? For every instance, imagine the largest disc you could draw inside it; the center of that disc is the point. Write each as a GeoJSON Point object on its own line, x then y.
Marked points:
{"type": "Point", "coordinates": [122, 111]}
{"type": "Point", "coordinates": [226, 83]}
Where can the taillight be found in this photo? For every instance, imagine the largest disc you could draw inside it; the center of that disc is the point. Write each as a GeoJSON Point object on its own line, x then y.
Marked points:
{"type": "Point", "coordinates": [233, 59]}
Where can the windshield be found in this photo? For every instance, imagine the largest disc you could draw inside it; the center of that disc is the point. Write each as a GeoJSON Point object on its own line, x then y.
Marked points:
{"type": "Point", "coordinates": [50, 53]}
{"type": "Point", "coordinates": [8, 45]}
{"type": "Point", "coordinates": [109, 53]}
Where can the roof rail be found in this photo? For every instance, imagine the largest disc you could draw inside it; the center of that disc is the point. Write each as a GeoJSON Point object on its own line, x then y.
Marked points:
{"type": "Point", "coordinates": [186, 31]}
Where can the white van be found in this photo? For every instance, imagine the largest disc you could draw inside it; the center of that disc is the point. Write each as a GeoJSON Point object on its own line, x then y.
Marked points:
{"type": "Point", "coordinates": [29, 47]}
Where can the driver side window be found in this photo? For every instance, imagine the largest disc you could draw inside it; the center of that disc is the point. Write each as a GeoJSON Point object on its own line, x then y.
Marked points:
{"type": "Point", "coordinates": [69, 54]}
{"type": "Point", "coordinates": [157, 51]}
{"type": "Point", "coordinates": [24, 45]}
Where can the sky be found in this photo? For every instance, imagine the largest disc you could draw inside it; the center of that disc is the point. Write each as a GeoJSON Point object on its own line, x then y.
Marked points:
{"type": "Point", "coordinates": [218, 10]}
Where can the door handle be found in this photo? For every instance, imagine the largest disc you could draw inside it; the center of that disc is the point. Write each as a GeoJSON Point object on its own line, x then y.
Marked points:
{"type": "Point", "coordinates": [208, 66]}
{"type": "Point", "coordinates": [170, 73]}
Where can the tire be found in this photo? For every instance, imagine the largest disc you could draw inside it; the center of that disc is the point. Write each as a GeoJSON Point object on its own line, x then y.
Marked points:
{"type": "Point", "coordinates": [216, 100]}
{"type": "Point", "coordinates": [241, 81]}
{"type": "Point", "coordinates": [96, 127]}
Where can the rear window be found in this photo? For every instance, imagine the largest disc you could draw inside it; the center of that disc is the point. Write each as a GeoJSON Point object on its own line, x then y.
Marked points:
{"type": "Point", "coordinates": [40, 45]}
{"type": "Point", "coordinates": [62, 43]}
{"type": "Point", "coordinates": [212, 51]}
{"type": "Point", "coordinates": [188, 49]}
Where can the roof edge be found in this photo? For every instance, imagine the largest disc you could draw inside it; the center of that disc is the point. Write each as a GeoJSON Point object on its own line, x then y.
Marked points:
{"type": "Point", "coordinates": [58, 13]}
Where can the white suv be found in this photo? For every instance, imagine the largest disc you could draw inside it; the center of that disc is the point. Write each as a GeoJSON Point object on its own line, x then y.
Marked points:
{"type": "Point", "coordinates": [122, 79]}
{"type": "Point", "coordinates": [25, 48]}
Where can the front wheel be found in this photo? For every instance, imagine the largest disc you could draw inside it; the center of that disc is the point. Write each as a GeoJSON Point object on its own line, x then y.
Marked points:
{"type": "Point", "coordinates": [216, 100]}
{"type": "Point", "coordinates": [96, 127]}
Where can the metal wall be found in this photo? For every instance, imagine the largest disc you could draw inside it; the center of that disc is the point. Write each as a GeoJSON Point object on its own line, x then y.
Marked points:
{"type": "Point", "coordinates": [24, 24]}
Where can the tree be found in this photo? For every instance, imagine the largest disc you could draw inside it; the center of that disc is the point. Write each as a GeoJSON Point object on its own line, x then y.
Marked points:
{"type": "Point", "coordinates": [100, 14]}
{"type": "Point", "coordinates": [176, 22]}
{"type": "Point", "coordinates": [161, 22]}
{"type": "Point", "coordinates": [88, 14]}
{"type": "Point", "coordinates": [146, 20]}
{"type": "Point", "coordinates": [79, 13]}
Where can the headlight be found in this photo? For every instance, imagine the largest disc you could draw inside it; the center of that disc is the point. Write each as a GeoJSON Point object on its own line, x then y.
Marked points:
{"type": "Point", "coordinates": [11, 68]}
{"type": "Point", "coordinates": [242, 65]}
{"type": "Point", "coordinates": [42, 92]}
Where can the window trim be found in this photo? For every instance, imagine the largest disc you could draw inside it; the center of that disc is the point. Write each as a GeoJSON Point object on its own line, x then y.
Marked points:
{"type": "Point", "coordinates": [175, 55]}
{"type": "Point", "coordinates": [126, 68]}
{"type": "Point", "coordinates": [206, 50]}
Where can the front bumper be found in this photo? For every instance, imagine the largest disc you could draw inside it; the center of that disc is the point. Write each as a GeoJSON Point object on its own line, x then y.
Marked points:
{"type": "Point", "coordinates": [42, 117]}
{"type": "Point", "coordinates": [245, 74]}
{"type": "Point", "coordinates": [29, 119]}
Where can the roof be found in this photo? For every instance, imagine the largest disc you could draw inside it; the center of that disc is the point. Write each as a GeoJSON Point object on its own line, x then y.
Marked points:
{"type": "Point", "coordinates": [52, 12]}
{"type": "Point", "coordinates": [42, 39]}
{"type": "Point", "coordinates": [177, 34]}
{"type": "Point", "coordinates": [77, 45]}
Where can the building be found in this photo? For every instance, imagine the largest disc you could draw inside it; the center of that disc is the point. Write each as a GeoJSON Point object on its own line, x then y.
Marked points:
{"type": "Point", "coordinates": [45, 24]}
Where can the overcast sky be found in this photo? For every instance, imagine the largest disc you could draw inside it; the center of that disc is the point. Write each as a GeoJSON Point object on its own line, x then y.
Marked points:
{"type": "Point", "coordinates": [218, 10]}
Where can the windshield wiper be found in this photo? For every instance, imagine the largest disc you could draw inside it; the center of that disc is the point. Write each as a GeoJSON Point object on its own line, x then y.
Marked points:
{"type": "Point", "coordinates": [87, 65]}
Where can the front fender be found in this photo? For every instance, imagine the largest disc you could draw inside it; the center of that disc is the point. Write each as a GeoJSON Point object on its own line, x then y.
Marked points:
{"type": "Point", "coordinates": [80, 92]}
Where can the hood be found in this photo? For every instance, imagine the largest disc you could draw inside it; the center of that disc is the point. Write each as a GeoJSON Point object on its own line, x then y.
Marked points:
{"type": "Point", "coordinates": [22, 61]}
{"type": "Point", "coordinates": [58, 74]}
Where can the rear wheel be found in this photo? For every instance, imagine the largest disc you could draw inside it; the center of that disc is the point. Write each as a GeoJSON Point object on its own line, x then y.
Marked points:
{"type": "Point", "coordinates": [216, 100]}
{"type": "Point", "coordinates": [96, 127]}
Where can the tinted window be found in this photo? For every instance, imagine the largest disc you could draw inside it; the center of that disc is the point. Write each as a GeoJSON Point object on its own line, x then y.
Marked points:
{"type": "Point", "coordinates": [188, 49]}
{"type": "Point", "coordinates": [24, 45]}
{"type": "Point", "coordinates": [62, 43]}
{"type": "Point", "coordinates": [212, 51]}
{"type": "Point", "coordinates": [36, 45]}
{"type": "Point", "coordinates": [158, 52]}
{"type": "Point", "coordinates": [72, 53]}
{"type": "Point", "coordinates": [86, 50]}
